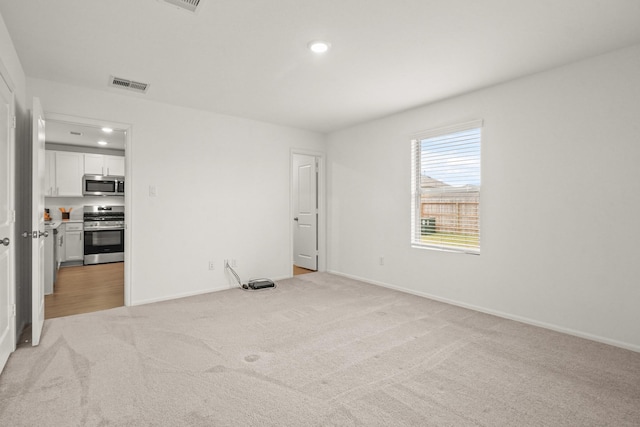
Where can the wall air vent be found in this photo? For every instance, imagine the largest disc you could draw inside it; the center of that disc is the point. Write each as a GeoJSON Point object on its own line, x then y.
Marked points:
{"type": "Point", "coordinates": [190, 5]}
{"type": "Point", "coordinates": [128, 84]}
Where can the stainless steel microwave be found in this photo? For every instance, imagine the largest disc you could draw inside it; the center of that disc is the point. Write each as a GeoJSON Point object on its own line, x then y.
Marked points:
{"type": "Point", "coordinates": [102, 185]}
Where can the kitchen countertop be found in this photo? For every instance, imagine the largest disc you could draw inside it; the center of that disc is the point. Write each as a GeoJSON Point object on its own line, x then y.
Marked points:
{"type": "Point", "coordinates": [54, 224]}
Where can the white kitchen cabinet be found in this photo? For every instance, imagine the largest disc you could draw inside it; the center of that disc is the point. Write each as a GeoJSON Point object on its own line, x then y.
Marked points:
{"type": "Point", "coordinates": [73, 241]}
{"type": "Point", "coordinates": [63, 174]}
{"type": "Point", "coordinates": [101, 164]}
{"type": "Point", "coordinates": [64, 171]}
{"type": "Point", "coordinates": [50, 173]}
{"type": "Point", "coordinates": [115, 165]}
{"type": "Point", "coordinates": [93, 164]}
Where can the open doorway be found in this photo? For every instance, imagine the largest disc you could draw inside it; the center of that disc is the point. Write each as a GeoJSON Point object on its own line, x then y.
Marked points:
{"type": "Point", "coordinates": [85, 192]}
{"type": "Point", "coordinates": [307, 201]}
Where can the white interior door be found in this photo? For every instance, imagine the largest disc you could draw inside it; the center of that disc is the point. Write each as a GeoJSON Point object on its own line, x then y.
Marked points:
{"type": "Point", "coordinates": [37, 223]}
{"type": "Point", "coordinates": [7, 236]}
{"type": "Point", "coordinates": [305, 209]}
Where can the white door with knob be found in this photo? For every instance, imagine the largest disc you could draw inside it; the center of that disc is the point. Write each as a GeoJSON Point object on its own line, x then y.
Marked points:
{"type": "Point", "coordinates": [37, 233]}
{"type": "Point", "coordinates": [7, 224]}
{"type": "Point", "coordinates": [305, 210]}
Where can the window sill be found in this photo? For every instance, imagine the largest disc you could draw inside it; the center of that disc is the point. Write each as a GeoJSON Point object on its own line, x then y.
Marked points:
{"type": "Point", "coordinates": [446, 249]}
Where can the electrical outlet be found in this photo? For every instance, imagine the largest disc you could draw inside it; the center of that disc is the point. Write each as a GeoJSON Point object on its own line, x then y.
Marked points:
{"type": "Point", "coordinates": [212, 265]}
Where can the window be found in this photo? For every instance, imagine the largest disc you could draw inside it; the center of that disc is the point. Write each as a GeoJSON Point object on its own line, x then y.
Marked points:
{"type": "Point", "coordinates": [446, 188]}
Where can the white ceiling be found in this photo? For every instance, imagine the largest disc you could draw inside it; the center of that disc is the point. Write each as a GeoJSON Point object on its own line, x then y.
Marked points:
{"type": "Point", "coordinates": [249, 57]}
{"type": "Point", "coordinates": [67, 133]}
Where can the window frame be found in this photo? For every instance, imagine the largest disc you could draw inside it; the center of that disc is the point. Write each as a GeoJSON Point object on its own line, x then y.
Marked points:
{"type": "Point", "coordinates": [416, 182]}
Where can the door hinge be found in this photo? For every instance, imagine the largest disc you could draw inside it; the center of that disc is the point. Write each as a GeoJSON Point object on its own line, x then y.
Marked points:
{"type": "Point", "coordinates": [14, 122]}
{"type": "Point", "coordinates": [13, 310]}
{"type": "Point", "coordinates": [13, 216]}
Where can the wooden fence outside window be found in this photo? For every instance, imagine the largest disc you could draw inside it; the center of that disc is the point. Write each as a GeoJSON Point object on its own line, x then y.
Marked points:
{"type": "Point", "coordinates": [452, 216]}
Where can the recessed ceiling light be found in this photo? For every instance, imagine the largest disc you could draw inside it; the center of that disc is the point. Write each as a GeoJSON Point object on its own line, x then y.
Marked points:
{"type": "Point", "coordinates": [102, 142]}
{"type": "Point", "coordinates": [107, 130]}
{"type": "Point", "coordinates": [319, 46]}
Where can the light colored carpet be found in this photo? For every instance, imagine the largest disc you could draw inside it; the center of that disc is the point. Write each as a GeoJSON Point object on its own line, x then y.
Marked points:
{"type": "Point", "coordinates": [319, 350]}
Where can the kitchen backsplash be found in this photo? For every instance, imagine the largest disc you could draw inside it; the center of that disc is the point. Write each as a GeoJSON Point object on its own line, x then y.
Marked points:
{"type": "Point", "coordinates": [77, 204]}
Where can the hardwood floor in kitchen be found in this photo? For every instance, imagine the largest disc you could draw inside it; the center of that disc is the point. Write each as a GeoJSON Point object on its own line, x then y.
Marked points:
{"type": "Point", "coordinates": [84, 289]}
{"type": "Point", "coordinates": [299, 270]}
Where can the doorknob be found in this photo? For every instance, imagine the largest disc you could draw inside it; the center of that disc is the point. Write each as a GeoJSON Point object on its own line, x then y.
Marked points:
{"type": "Point", "coordinates": [5, 241]}
{"type": "Point", "coordinates": [295, 219]}
{"type": "Point", "coordinates": [45, 234]}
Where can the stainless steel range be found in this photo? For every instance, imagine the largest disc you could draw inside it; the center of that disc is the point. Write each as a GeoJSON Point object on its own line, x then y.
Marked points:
{"type": "Point", "coordinates": [103, 234]}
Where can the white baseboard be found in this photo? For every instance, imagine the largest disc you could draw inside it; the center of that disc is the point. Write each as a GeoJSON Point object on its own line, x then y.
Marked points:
{"type": "Point", "coordinates": [194, 293]}
{"type": "Point", "coordinates": [528, 321]}
{"type": "Point", "coordinates": [184, 295]}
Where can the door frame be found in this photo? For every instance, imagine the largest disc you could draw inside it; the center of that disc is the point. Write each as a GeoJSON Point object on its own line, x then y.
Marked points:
{"type": "Point", "coordinates": [322, 211]}
{"type": "Point", "coordinates": [12, 250]}
{"type": "Point", "coordinates": [128, 186]}
{"type": "Point", "coordinates": [37, 225]}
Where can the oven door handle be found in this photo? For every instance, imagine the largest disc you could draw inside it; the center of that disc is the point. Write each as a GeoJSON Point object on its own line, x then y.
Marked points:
{"type": "Point", "coordinates": [104, 228]}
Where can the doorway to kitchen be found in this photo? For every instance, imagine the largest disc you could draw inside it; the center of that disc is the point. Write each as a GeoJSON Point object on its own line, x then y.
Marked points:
{"type": "Point", "coordinates": [85, 289]}
{"type": "Point", "coordinates": [86, 203]}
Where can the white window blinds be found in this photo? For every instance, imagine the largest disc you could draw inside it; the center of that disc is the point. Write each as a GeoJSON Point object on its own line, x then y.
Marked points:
{"type": "Point", "coordinates": [446, 188]}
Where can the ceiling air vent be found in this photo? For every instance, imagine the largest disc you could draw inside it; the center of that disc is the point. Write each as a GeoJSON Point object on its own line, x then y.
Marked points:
{"type": "Point", "coordinates": [129, 84]}
{"type": "Point", "coordinates": [190, 5]}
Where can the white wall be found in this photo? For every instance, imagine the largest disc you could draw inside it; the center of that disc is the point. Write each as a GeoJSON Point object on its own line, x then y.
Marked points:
{"type": "Point", "coordinates": [222, 185]}
{"type": "Point", "coordinates": [12, 63]}
{"type": "Point", "coordinates": [560, 201]}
